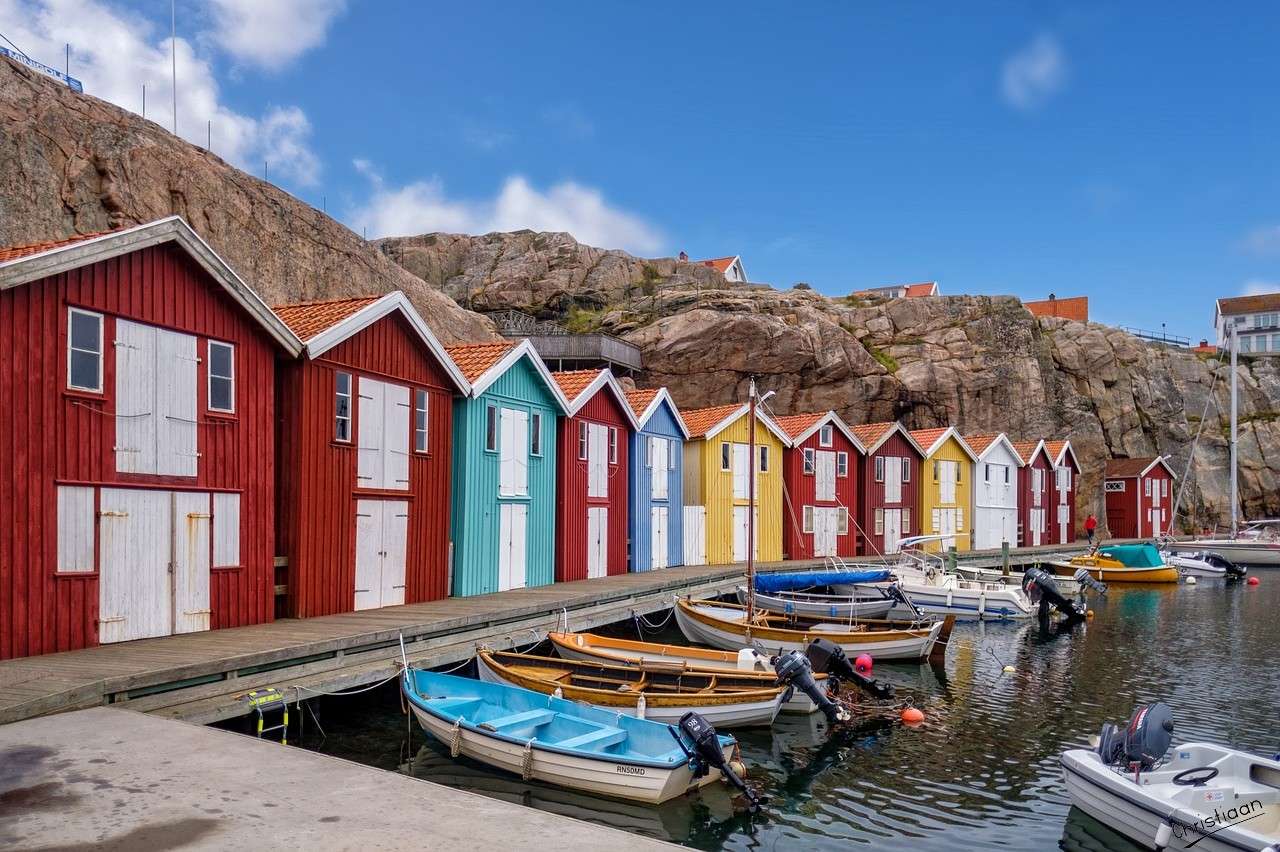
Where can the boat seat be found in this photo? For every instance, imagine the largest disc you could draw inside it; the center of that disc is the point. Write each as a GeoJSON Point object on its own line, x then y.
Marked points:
{"type": "Point", "coordinates": [528, 719]}
{"type": "Point", "coordinates": [592, 740]}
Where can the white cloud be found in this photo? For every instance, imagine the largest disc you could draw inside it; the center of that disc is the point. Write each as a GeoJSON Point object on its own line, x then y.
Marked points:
{"type": "Point", "coordinates": [1033, 74]}
{"type": "Point", "coordinates": [273, 33]}
{"type": "Point", "coordinates": [1259, 287]}
{"type": "Point", "coordinates": [423, 206]}
{"type": "Point", "coordinates": [115, 53]}
{"type": "Point", "coordinates": [1264, 240]}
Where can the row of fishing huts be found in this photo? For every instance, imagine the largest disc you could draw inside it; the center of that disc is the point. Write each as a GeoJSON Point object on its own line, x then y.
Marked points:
{"type": "Point", "coordinates": [182, 457]}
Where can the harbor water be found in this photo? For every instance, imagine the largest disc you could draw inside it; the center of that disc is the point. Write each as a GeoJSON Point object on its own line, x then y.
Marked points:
{"type": "Point", "coordinates": [980, 773]}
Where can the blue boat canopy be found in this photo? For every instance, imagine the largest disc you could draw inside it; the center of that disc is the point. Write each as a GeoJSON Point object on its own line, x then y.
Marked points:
{"type": "Point", "coordinates": [793, 580]}
{"type": "Point", "coordinates": [1134, 555]}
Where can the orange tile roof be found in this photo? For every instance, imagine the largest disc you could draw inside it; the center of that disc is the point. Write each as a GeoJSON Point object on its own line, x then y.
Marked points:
{"type": "Point", "coordinates": [16, 252]}
{"type": "Point", "coordinates": [915, 291]}
{"type": "Point", "coordinates": [574, 382]}
{"type": "Point", "coordinates": [640, 400]}
{"type": "Point", "coordinates": [1249, 304]}
{"type": "Point", "coordinates": [926, 437]}
{"type": "Point", "coordinates": [979, 443]}
{"type": "Point", "coordinates": [719, 264]}
{"type": "Point", "coordinates": [307, 319]}
{"type": "Point", "coordinates": [869, 433]}
{"type": "Point", "coordinates": [1128, 467]}
{"type": "Point", "coordinates": [699, 420]}
{"type": "Point", "coordinates": [797, 424]}
{"type": "Point", "coordinates": [1054, 448]}
{"type": "Point", "coordinates": [1025, 448]}
{"type": "Point", "coordinates": [474, 359]}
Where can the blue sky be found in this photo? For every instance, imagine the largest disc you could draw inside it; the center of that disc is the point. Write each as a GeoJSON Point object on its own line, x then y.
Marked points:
{"type": "Point", "coordinates": [1128, 154]}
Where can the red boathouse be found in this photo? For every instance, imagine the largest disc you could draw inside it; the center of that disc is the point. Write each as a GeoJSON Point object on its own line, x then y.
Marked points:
{"type": "Point", "coordinates": [591, 480]}
{"type": "Point", "coordinates": [137, 470]}
{"type": "Point", "coordinates": [1139, 496]}
{"type": "Point", "coordinates": [365, 454]}
{"type": "Point", "coordinates": [820, 472]}
{"type": "Point", "coordinates": [1066, 475]}
{"type": "Point", "coordinates": [1034, 495]}
{"type": "Point", "coordinates": [888, 493]}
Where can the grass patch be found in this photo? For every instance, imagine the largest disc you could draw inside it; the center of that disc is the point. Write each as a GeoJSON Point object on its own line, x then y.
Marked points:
{"type": "Point", "coordinates": [886, 360]}
{"type": "Point", "coordinates": [583, 320]}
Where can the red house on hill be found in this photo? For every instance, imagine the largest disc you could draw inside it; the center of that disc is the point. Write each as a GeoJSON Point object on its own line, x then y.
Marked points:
{"type": "Point", "coordinates": [1138, 497]}
{"type": "Point", "coordinates": [137, 466]}
{"type": "Point", "coordinates": [1033, 493]}
{"type": "Point", "coordinates": [1066, 473]}
{"type": "Point", "coordinates": [591, 482]}
{"type": "Point", "coordinates": [820, 471]}
{"type": "Point", "coordinates": [888, 493]}
{"type": "Point", "coordinates": [365, 456]}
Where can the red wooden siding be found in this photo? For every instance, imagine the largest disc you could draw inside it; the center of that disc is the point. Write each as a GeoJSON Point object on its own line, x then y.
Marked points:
{"type": "Point", "coordinates": [1127, 511]}
{"type": "Point", "coordinates": [1048, 498]}
{"type": "Point", "coordinates": [1071, 504]}
{"type": "Point", "coordinates": [55, 436]}
{"type": "Point", "coordinates": [871, 494]}
{"type": "Point", "coordinates": [318, 490]}
{"type": "Point", "coordinates": [571, 490]}
{"type": "Point", "coordinates": [801, 491]}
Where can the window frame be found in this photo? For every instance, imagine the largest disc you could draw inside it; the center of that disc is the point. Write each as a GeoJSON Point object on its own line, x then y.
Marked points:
{"type": "Point", "coordinates": [584, 441]}
{"type": "Point", "coordinates": [878, 523]}
{"type": "Point", "coordinates": [535, 434]}
{"type": "Point", "coordinates": [842, 465]}
{"type": "Point", "coordinates": [726, 458]}
{"type": "Point", "coordinates": [101, 353]}
{"type": "Point", "coordinates": [904, 519]}
{"type": "Point", "coordinates": [806, 519]}
{"type": "Point", "coordinates": [491, 439]}
{"type": "Point", "coordinates": [763, 459]}
{"type": "Point", "coordinates": [986, 471]}
{"type": "Point", "coordinates": [809, 465]}
{"type": "Point", "coordinates": [842, 521]}
{"type": "Point", "coordinates": [826, 435]}
{"type": "Point", "coordinates": [613, 445]}
{"type": "Point", "coordinates": [349, 417]}
{"type": "Point", "coordinates": [421, 405]}
{"type": "Point", "coordinates": [209, 377]}
{"type": "Point", "coordinates": [906, 469]}
{"type": "Point", "coordinates": [879, 468]}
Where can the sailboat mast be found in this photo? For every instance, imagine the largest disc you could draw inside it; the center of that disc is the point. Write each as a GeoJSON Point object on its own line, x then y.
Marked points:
{"type": "Point", "coordinates": [1235, 493]}
{"type": "Point", "coordinates": [751, 506]}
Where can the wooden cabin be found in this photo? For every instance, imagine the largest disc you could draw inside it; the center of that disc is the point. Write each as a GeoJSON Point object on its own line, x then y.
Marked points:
{"type": "Point", "coordinates": [1033, 493]}
{"type": "Point", "coordinates": [364, 455]}
{"type": "Point", "coordinates": [946, 497]}
{"type": "Point", "coordinates": [136, 472]}
{"type": "Point", "coordinates": [1139, 495]}
{"type": "Point", "coordinates": [504, 469]}
{"type": "Point", "coordinates": [656, 479]}
{"type": "Point", "coordinates": [888, 487]}
{"type": "Point", "coordinates": [1066, 473]}
{"type": "Point", "coordinates": [820, 474]}
{"type": "Point", "coordinates": [995, 491]}
{"type": "Point", "coordinates": [717, 466]}
{"type": "Point", "coordinates": [593, 447]}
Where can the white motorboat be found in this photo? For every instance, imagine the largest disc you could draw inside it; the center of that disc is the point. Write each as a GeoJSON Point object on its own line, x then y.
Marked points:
{"type": "Point", "coordinates": [1194, 565]}
{"type": "Point", "coordinates": [1257, 543]}
{"type": "Point", "coordinates": [1205, 797]}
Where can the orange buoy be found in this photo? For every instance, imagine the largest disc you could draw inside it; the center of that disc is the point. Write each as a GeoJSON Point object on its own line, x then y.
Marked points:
{"type": "Point", "coordinates": [1088, 614]}
{"type": "Point", "coordinates": [912, 716]}
{"type": "Point", "coordinates": [1253, 581]}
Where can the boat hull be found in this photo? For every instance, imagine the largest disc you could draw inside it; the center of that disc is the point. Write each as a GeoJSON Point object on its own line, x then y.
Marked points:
{"type": "Point", "coordinates": [955, 598]}
{"type": "Point", "coordinates": [1118, 573]}
{"type": "Point", "coordinates": [717, 627]}
{"type": "Point", "coordinates": [717, 711]}
{"type": "Point", "coordinates": [842, 606]}
{"type": "Point", "coordinates": [1242, 552]}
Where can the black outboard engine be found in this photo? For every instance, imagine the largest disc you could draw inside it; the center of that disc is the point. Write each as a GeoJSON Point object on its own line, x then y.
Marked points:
{"type": "Point", "coordinates": [1141, 744]}
{"type": "Point", "coordinates": [1234, 571]}
{"type": "Point", "coordinates": [895, 591]}
{"type": "Point", "coordinates": [1041, 588]}
{"type": "Point", "coordinates": [794, 671]}
{"type": "Point", "coordinates": [830, 659]}
{"type": "Point", "coordinates": [707, 754]}
{"type": "Point", "coordinates": [1086, 581]}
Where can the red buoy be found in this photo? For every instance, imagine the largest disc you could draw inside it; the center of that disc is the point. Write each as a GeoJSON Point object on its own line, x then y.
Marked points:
{"type": "Point", "coordinates": [912, 716]}
{"type": "Point", "coordinates": [1253, 581]}
{"type": "Point", "coordinates": [862, 665]}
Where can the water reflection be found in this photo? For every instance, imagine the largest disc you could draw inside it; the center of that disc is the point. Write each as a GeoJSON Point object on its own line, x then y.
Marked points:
{"type": "Point", "coordinates": [980, 773]}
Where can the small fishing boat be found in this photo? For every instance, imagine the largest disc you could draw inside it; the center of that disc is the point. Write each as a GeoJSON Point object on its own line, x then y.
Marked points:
{"type": "Point", "coordinates": [1120, 563]}
{"type": "Point", "coordinates": [1205, 797]}
{"type": "Point", "coordinates": [873, 603]}
{"type": "Point", "coordinates": [1194, 565]}
{"type": "Point", "coordinates": [1257, 543]}
{"type": "Point", "coordinates": [627, 652]}
{"type": "Point", "coordinates": [556, 740]}
{"type": "Point", "coordinates": [662, 692]}
{"type": "Point", "coordinates": [724, 625]}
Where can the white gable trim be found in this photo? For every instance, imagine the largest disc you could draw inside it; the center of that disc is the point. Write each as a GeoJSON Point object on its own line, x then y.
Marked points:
{"type": "Point", "coordinates": [663, 394]}
{"type": "Point", "coordinates": [834, 419]}
{"type": "Point", "coordinates": [24, 270]}
{"type": "Point", "coordinates": [1040, 448]}
{"type": "Point", "coordinates": [522, 349]}
{"type": "Point", "coordinates": [603, 379]}
{"type": "Point", "coordinates": [371, 313]}
{"type": "Point", "coordinates": [1159, 461]}
{"type": "Point", "coordinates": [1067, 448]}
{"type": "Point", "coordinates": [951, 433]}
{"type": "Point", "coordinates": [1002, 439]}
{"type": "Point", "coordinates": [889, 433]}
{"type": "Point", "coordinates": [742, 411]}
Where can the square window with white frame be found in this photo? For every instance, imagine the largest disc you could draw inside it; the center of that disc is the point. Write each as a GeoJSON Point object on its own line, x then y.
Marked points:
{"type": "Point", "coordinates": [84, 350]}
{"type": "Point", "coordinates": [808, 461]}
{"type": "Point", "coordinates": [420, 402]}
{"type": "Point", "coordinates": [826, 435]}
{"type": "Point", "coordinates": [342, 407]}
{"type": "Point", "coordinates": [222, 377]}
{"type": "Point", "coordinates": [842, 464]}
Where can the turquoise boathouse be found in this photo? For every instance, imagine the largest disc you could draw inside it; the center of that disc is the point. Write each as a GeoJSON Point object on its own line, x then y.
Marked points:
{"type": "Point", "coordinates": [656, 525]}
{"type": "Point", "coordinates": [504, 469]}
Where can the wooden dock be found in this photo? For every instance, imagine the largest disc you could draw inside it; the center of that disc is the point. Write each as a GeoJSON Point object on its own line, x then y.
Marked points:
{"type": "Point", "coordinates": [200, 677]}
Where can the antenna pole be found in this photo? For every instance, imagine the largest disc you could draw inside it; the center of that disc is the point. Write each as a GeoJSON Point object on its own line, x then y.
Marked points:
{"type": "Point", "coordinates": [1235, 484]}
{"type": "Point", "coordinates": [173, 55]}
{"type": "Point", "coordinates": [751, 507]}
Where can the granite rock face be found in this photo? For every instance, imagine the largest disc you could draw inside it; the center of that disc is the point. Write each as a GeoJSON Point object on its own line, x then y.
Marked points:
{"type": "Point", "coordinates": [72, 164]}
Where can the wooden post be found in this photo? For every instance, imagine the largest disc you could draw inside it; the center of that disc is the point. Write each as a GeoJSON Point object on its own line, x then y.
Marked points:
{"type": "Point", "coordinates": [951, 558]}
{"type": "Point", "coordinates": [1004, 558]}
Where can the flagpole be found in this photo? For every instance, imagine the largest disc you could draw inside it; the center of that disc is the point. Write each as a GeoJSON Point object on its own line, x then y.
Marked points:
{"type": "Point", "coordinates": [751, 507]}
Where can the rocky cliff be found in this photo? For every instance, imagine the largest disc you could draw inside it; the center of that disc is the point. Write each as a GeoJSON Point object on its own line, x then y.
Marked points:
{"type": "Point", "coordinates": [980, 363]}
{"type": "Point", "coordinates": [74, 164]}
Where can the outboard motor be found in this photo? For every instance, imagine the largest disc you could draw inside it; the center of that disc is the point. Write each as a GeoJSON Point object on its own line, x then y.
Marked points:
{"type": "Point", "coordinates": [1086, 581]}
{"type": "Point", "coordinates": [1234, 571]}
{"type": "Point", "coordinates": [829, 658]}
{"type": "Point", "coordinates": [707, 754]}
{"type": "Point", "coordinates": [794, 671]}
{"type": "Point", "coordinates": [1041, 588]}
{"type": "Point", "coordinates": [895, 591]}
{"type": "Point", "coordinates": [1141, 744]}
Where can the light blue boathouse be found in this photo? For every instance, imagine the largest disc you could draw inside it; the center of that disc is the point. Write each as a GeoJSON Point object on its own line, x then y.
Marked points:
{"type": "Point", "coordinates": [656, 478]}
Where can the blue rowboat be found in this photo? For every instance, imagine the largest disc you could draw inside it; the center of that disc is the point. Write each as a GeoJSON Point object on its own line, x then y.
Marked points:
{"type": "Point", "coordinates": [553, 739]}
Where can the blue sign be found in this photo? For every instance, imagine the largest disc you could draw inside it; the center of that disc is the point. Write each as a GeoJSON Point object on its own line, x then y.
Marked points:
{"type": "Point", "coordinates": [23, 59]}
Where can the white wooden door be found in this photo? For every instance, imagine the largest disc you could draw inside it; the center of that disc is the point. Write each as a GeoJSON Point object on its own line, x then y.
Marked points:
{"type": "Point", "coordinates": [395, 424]}
{"type": "Point", "coordinates": [947, 527]}
{"type": "Point", "coordinates": [694, 530]}
{"type": "Point", "coordinates": [597, 541]}
{"type": "Point", "coordinates": [395, 551]}
{"type": "Point", "coordinates": [175, 407]}
{"type": "Point", "coordinates": [1037, 486]}
{"type": "Point", "coordinates": [597, 460]}
{"type": "Point", "coordinates": [135, 444]}
{"type": "Point", "coordinates": [1064, 521]}
{"type": "Point", "coordinates": [658, 557]}
{"type": "Point", "coordinates": [659, 468]}
{"type": "Point", "coordinates": [739, 533]}
{"type": "Point", "coordinates": [1035, 522]}
{"type": "Point", "coordinates": [134, 585]}
{"type": "Point", "coordinates": [825, 522]}
{"type": "Point", "coordinates": [947, 482]}
{"type": "Point", "coordinates": [370, 450]}
{"type": "Point", "coordinates": [825, 475]}
{"type": "Point", "coordinates": [368, 592]}
{"type": "Point", "coordinates": [892, 529]}
{"type": "Point", "coordinates": [741, 470]}
{"type": "Point", "coordinates": [892, 479]}
{"type": "Point", "coordinates": [192, 532]}
{"type": "Point", "coordinates": [513, 452]}
{"type": "Point", "coordinates": [511, 545]}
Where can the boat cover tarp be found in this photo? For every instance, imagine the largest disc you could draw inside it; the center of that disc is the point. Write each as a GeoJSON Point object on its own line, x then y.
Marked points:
{"type": "Point", "coordinates": [792, 580]}
{"type": "Point", "coordinates": [1134, 555]}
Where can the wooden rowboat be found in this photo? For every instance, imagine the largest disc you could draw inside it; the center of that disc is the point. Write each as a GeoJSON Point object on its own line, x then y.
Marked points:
{"type": "Point", "coordinates": [659, 691]}
{"type": "Point", "coordinates": [723, 625]}
{"type": "Point", "coordinates": [1121, 563]}
{"type": "Point", "coordinates": [628, 652]}
{"type": "Point", "coordinates": [553, 739]}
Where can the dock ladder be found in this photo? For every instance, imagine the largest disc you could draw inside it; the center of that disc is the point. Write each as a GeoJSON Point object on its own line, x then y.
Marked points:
{"type": "Point", "coordinates": [263, 701]}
